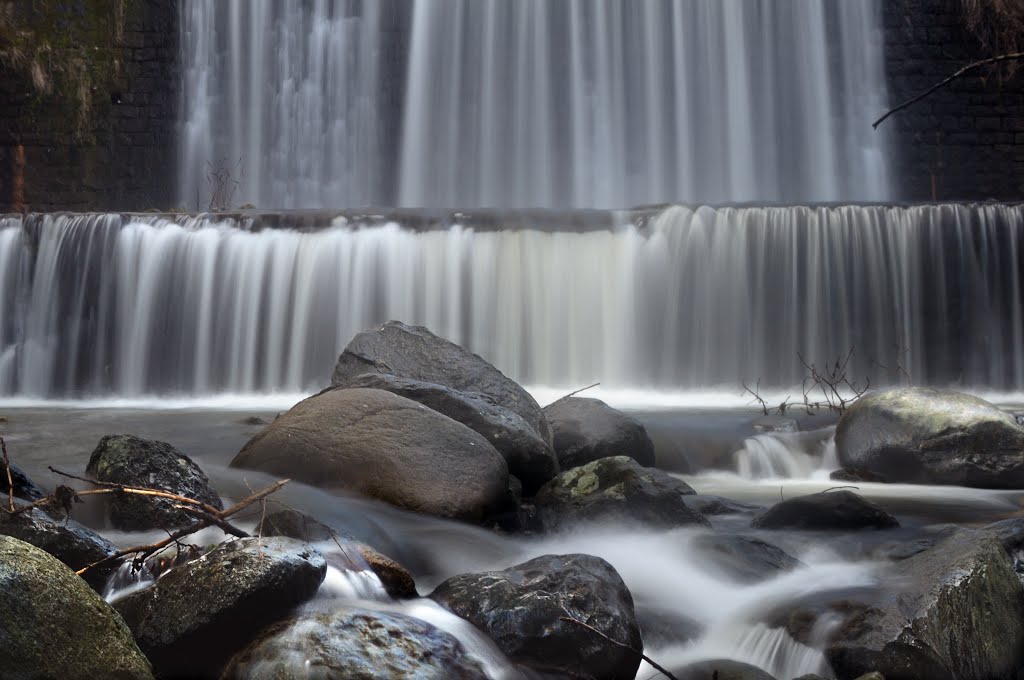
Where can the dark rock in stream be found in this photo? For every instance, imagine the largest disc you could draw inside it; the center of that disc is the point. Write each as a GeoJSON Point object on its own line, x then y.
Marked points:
{"type": "Point", "coordinates": [386, 447]}
{"type": "Point", "coordinates": [954, 611]}
{"type": "Point", "coordinates": [586, 430]}
{"type": "Point", "coordinates": [199, 614]}
{"type": "Point", "coordinates": [744, 559]}
{"type": "Point", "coordinates": [67, 540]}
{"type": "Point", "coordinates": [355, 644]}
{"type": "Point", "coordinates": [133, 461]}
{"type": "Point", "coordinates": [530, 457]}
{"type": "Point", "coordinates": [23, 487]}
{"type": "Point", "coordinates": [721, 669]}
{"type": "Point", "coordinates": [522, 607]}
{"type": "Point", "coordinates": [931, 436]}
{"type": "Point", "coordinates": [832, 510]}
{"type": "Point", "coordinates": [416, 353]}
{"type": "Point", "coordinates": [294, 524]}
{"type": "Point", "coordinates": [54, 626]}
{"type": "Point", "coordinates": [851, 474]}
{"type": "Point", "coordinates": [616, 489]}
{"type": "Point", "coordinates": [718, 505]}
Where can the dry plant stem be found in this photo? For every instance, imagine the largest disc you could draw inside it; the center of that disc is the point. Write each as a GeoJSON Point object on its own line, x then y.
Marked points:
{"type": "Point", "coordinates": [1013, 56]}
{"type": "Point", "coordinates": [623, 645]}
{"type": "Point", "coordinates": [146, 550]}
{"type": "Point", "coordinates": [117, 489]}
{"type": "Point", "coordinates": [10, 480]}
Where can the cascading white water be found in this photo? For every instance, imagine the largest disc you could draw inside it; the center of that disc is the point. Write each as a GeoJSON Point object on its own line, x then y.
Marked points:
{"type": "Point", "coordinates": [672, 299]}
{"type": "Point", "coordinates": [513, 103]}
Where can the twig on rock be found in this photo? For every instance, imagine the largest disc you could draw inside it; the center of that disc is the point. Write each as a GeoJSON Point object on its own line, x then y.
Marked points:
{"type": "Point", "coordinates": [144, 551]}
{"type": "Point", "coordinates": [623, 645]}
{"type": "Point", "coordinates": [573, 394]}
{"type": "Point", "coordinates": [10, 479]}
{"type": "Point", "coordinates": [223, 525]}
{"type": "Point", "coordinates": [836, 488]}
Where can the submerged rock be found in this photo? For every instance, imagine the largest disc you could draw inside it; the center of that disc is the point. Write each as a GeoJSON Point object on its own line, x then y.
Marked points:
{"type": "Point", "coordinates": [355, 644]}
{"type": "Point", "coordinates": [293, 524]}
{"type": "Point", "coordinates": [522, 607]}
{"type": "Point", "coordinates": [386, 447]}
{"type": "Point", "coordinates": [586, 430]}
{"type": "Point", "coordinates": [826, 510]}
{"type": "Point", "coordinates": [414, 352]}
{"type": "Point", "coordinates": [931, 436]}
{"type": "Point", "coordinates": [954, 611]}
{"type": "Point", "coordinates": [743, 558]}
{"type": "Point", "coordinates": [529, 457]}
{"type": "Point", "coordinates": [200, 613]}
{"type": "Point", "coordinates": [718, 505]}
{"type": "Point", "coordinates": [54, 626]}
{"type": "Point", "coordinates": [67, 540]}
{"type": "Point", "coordinates": [615, 489]}
{"type": "Point", "coordinates": [133, 461]}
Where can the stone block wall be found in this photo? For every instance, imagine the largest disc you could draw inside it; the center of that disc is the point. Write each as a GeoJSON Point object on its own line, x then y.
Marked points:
{"type": "Point", "coordinates": [965, 141]}
{"type": "Point", "coordinates": [88, 104]}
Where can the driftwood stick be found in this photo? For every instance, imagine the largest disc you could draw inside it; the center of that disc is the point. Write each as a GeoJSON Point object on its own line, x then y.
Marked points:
{"type": "Point", "coordinates": [595, 631]}
{"type": "Point", "coordinates": [573, 394]}
{"type": "Point", "coordinates": [10, 479]}
{"type": "Point", "coordinates": [146, 550]}
{"type": "Point", "coordinates": [966, 69]}
{"type": "Point", "coordinates": [109, 488]}
{"type": "Point", "coordinates": [222, 524]}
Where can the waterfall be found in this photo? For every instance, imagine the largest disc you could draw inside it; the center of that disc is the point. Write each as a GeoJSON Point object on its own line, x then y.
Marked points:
{"type": "Point", "coordinates": [674, 298]}
{"type": "Point", "coordinates": [513, 103]}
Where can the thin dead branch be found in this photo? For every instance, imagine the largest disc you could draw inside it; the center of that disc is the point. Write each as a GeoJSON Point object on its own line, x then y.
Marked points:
{"type": "Point", "coordinates": [1010, 57]}
{"type": "Point", "coordinates": [573, 394]}
{"type": "Point", "coordinates": [10, 478]}
{"type": "Point", "coordinates": [144, 551]}
{"type": "Point", "coordinates": [757, 396]}
{"type": "Point", "coordinates": [623, 645]}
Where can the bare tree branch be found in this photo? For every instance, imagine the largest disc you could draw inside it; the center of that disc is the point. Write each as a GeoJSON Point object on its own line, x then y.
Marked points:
{"type": "Point", "coordinates": [572, 394]}
{"type": "Point", "coordinates": [10, 479]}
{"type": "Point", "coordinates": [1012, 56]}
{"type": "Point", "coordinates": [623, 645]}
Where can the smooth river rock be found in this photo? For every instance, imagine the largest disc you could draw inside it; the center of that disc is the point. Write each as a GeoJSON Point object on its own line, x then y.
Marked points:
{"type": "Point", "coordinates": [530, 458]}
{"type": "Point", "coordinates": [586, 430]}
{"type": "Point", "coordinates": [54, 626]}
{"type": "Point", "coordinates": [522, 607]}
{"type": "Point", "coordinates": [200, 613]}
{"type": "Point", "coordinates": [616, 489]}
{"type": "Point", "coordinates": [831, 510]}
{"type": "Point", "coordinates": [134, 461]}
{"type": "Point", "coordinates": [355, 644]}
{"type": "Point", "coordinates": [386, 447]}
{"type": "Point", "coordinates": [414, 352]}
{"type": "Point", "coordinates": [932, 436]}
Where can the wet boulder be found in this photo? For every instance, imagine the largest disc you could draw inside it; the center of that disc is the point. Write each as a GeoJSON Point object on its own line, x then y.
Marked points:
{"type": "Point", "coordinates": [133, 461]}
{"type": "Point", "coordinates": [586, 430]}
{"type": "Point", "coordinates": [954, 611]}
{"type": "Point", "coordinates": [55, 626]}
{"type": "Point", "coordinates": [355, 644]}
{"type": "Point", "coordinates": [838, 510]}
{"type": "Point", "coordinates": [932, 436]}
{"type": "Point", "coordinates": [200, 613]}
{"type": "Point", "coordinates": [615, 489]}
{"type": "Point", "coordinates": [855, 475]}
{"type": "Point", "coordinates": [744, 559]}
{"type": "Point", "coordinates": [721, 669]}
{"type": "Point", "coordinates": [294, 524]}
{"type": "Point", "coordinates": [414, 352]}
{"type": "Point", "coordinates": [64, 538]}
{"type": "Point", "coordinates": [529, 456]}
{"type": "Point", "coordinates": [20, 485]}
{"type": "Point", "coordinates": [523, 609]}
{"type": "Point", "coordinates": [386, 447]}
{"type": "Point", "coordinates": [717, 505]}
